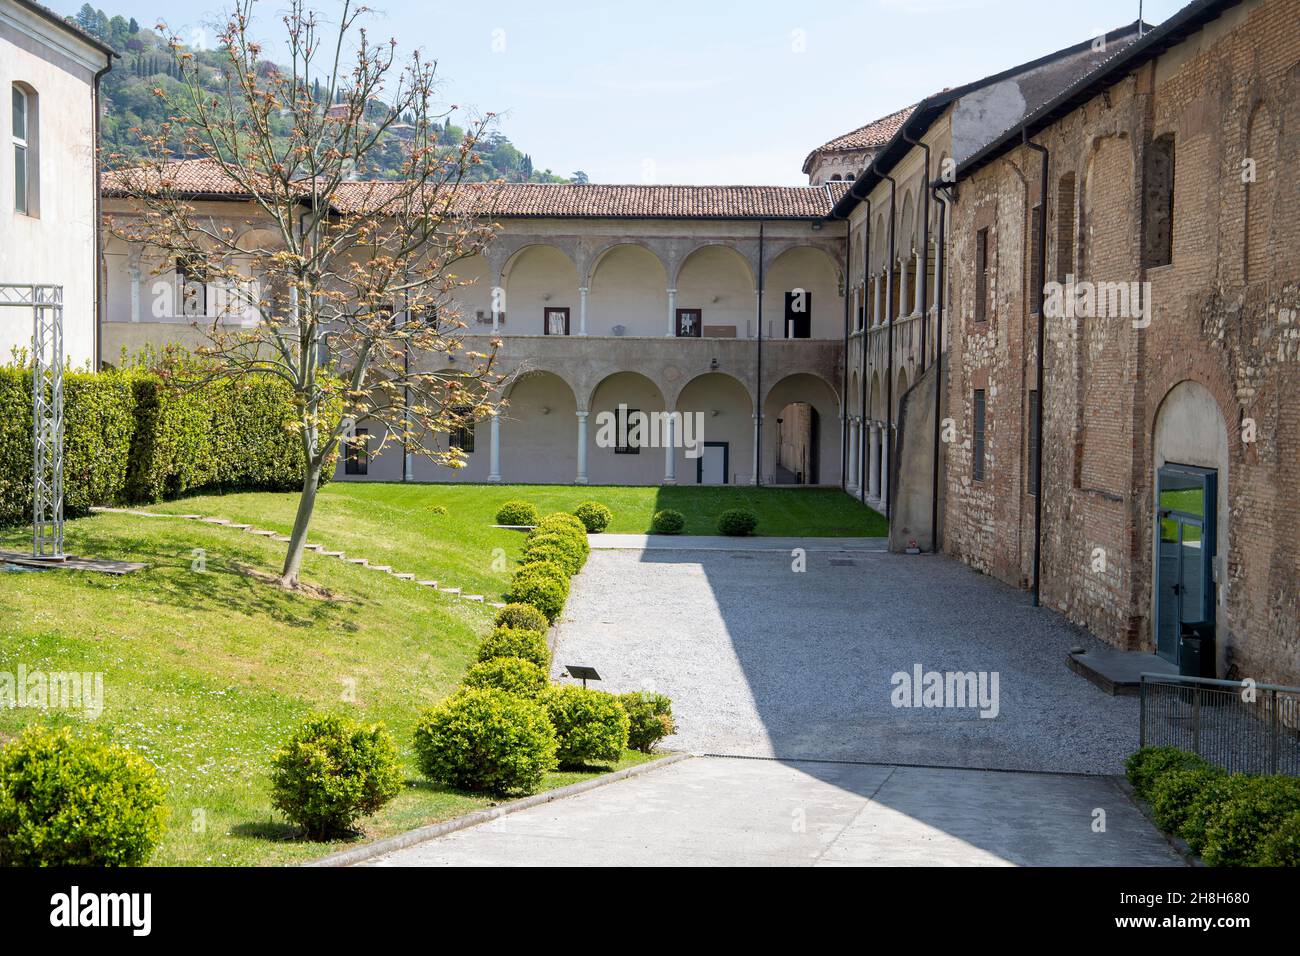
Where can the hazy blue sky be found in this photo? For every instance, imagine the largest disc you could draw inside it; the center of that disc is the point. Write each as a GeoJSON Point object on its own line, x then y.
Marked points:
{"type": "Point", "coordinates": [704, 91]}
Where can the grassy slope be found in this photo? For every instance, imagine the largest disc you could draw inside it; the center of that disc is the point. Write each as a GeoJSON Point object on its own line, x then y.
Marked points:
{"type": "Point", "coordinates": [205, 673]}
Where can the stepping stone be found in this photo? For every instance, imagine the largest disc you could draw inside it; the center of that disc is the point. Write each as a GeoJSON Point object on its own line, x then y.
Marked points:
{"type": "Point", "coordinates": [451, 590]}
{"type": "Point", "coordinates": [216, 521]}
{"type": "Point", "coordinates": [381, 567]}
{"type": "Point", "coordinates": [242, 527]}
{"type": "Point", "coordinates": [427, 584]}
{"type": "Point", "coordinates": [473, 597]}
{"type": "Point", "coordinates": [350, 560]}
{"type": "Point", "coordinates": [497, 604]}
{"type": "Point", "coordinates": [314, 547]}
{"type": "Point", "coordinates": [262, 534]}
{"type": "Point", "coordinates": [190, 517]}
{"type": "Point", "coordinates": [405, 577]}
{"type": "Point", "coordinates": [279, 537]}
{"type": "Point", "coordinates": [332, 554]}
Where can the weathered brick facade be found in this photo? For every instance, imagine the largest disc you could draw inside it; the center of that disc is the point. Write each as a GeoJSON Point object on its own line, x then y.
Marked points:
{"type": "Point", "coordinates": [1225, 315]}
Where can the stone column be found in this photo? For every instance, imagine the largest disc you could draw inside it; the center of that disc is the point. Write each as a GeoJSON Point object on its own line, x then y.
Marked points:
{"type": "Point", "coordinates": [670, 441]}
{"type": "Point", "coordinates": [496, 294]}
{"type": "Point", "coordinates": [852, 481]}
{"type": "Point", "coordinates": [494, 450]}
{"type": "Point", "coordinates": [875, 305]}
{"type": "Point", "coordinates": [873, 464]}
{"type": "Point", "coordinates": [582, 310]}
{"type": "Point", "coordinates": [134, 270]}
{"type": "Point", "coordinates": [672, 312]}
{"type": "Point", "coordinates": [758, 431]}
{"type": "Point", "coordinates": [902, 288]}
{"type": "Point", "coordinates": [920, 284]}
{"type": "Point", "coordinates": [884, 467]}
{"type": "Point", "coordinates": [582, 449]}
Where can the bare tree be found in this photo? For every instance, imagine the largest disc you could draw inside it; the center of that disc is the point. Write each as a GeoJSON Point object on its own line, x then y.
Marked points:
{"type": "Point", "coordinates": [350, 284]}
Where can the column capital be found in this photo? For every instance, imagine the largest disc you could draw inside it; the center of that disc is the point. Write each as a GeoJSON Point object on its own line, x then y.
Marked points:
{"type": "Point", "coordinates": [583, 289]}
{"type": "Point", "coordinates": [582, 413]}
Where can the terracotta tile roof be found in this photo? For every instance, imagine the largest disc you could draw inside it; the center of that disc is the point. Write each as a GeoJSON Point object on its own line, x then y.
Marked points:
{"type": "Point", "coordinates": [535, 200]}
{"type": "Point", "coordinates": [874, 134]}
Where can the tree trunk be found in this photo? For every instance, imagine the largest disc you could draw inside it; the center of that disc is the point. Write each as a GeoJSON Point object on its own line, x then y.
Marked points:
{"type": "Point", "coordinates": [298, 538]}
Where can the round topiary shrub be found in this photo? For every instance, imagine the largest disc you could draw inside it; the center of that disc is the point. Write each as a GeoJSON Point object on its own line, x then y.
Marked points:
{"type": "Point", "coordinates": [77, 801]}
{"type": "Point", "coordinates": [595, 516]}
{"type": "Point", "coordinates": [590, 725]}
{"type": "Point", "coordinates": [333, 771]}
{"type": "Point", "coordinates": [544, 585]}
{"type": "Point", "coordinates": [651, 719]}
{"type": "Point", "coordinates": [1147, 763]}
{"type": "Point", "coordinates": [516, 642]}
{"type": "Point", "coordinates": [737, 523]}
{"type": "Point", "coordinates": [517, 513]}
{"type": "Point", "coordinates": [514, 675]}
{"type": "Point", "coordinates": [561, 521]}
{"type": "Point", "coordinates": [1205, 807]}
{"type": "Point", "coordinates": [555, 546]}
{"type": "Point", "coordinates": [668, 521]}
{"type": "Point", "coordinates": [1233, 834]}
{"type": "Point", "coordinates": [1172, 793]}
{"type": "Point", "coordinates": [523, 617]}
{"type": "Point", "coordinates": [1282, 846]}
{"type": "Point", "coordinates": [486, 740]}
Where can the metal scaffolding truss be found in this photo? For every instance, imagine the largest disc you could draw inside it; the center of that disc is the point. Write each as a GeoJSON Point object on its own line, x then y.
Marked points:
{"type": "Point", "coordinates": [46, 305]}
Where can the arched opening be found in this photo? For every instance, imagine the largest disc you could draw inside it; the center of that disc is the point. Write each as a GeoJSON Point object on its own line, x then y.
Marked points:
{"type": "Point", "coordinates": [539, 432]}
{"type": "Point", "coordinates": [541, 284]}
{"type": "Point", "coordinates": [814, 443]}
{"type": "Point", "coordinates": [626, 436]}
{"type": "Point", "coordinates": [1190, 534]}
{"type": "Point", "coordinates": [717, 413]}
{"type": "Point", "coordinates": [628, 292]}
{"type": "Point", "coordinates": [801, 296]}
{"type": "Point", "coordinates": [472, 297]}
{"type": "Point", "coordinates": [715, 294]}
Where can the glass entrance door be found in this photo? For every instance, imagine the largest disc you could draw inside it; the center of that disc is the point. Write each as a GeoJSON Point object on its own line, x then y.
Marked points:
{"type": "Point", "coordinates": [1185, 523]}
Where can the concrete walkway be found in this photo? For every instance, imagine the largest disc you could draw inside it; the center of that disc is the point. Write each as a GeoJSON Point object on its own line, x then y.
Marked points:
{"type": "Point", "coordinates": [713, 542]}
{"type": "Point", "coordinates": [720, 811]}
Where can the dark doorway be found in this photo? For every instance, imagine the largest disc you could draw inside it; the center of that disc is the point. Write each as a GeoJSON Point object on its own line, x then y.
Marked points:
{"type": "Point", "coordinates": [798, 314]}
{"type": "Point", "coordinates": [797, 446]}
{"type": "Point", "coordinates": [1185, 549]}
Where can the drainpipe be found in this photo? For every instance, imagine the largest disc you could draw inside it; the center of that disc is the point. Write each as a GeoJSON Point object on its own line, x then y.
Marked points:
{"type": "Point", "coordinates": [97, 283]}
{"type": "Point", "coordinates": [758, 397]}
{"type": "Point", "coordinates": [1038, 411]}
{"type": "Point", "coordinates": [941, 267]}
{"type": "Point", "coordinates": [864, 456]}
{"type": "Point", "coordinates": [889, 345]}
{"type": "Point", "coordinates": [844, 388]}
{"type": "Point", "coordinates": [922, 272]}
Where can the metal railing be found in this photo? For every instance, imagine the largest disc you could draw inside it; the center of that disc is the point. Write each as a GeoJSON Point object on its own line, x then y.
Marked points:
{"type": "Point", "coordinates": [1236, 725]}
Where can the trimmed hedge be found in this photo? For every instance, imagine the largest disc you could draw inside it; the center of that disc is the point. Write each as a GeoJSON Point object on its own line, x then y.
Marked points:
{"type": "Point", "coordinates": [1242, 821]}
{"type": "Point", "coordinates": [544, 585]}
{"type": "Point", "coordinates": [1144, 765]}
{"type": "Point", "coordinates": [514, 675]}
{"type": "Point", "coordinates": [737, 523]}
{"type": "Point", "coordinates": [486, 740]}
{"type": "Point", "coordinates": [517, 513]}
{"type": "Point", "coordinates": [1282, 846]}
{"type": "Point", "coordinates": [590, 725]}
{"type": "Point", "coordinates": [129, 438]}
{"type": "Point", "coordinates": [668, 521]}
{"type": "Point", "coordinates": [555, 546]}
{"type": "Point", "coordinates": [651, 717]}
{"type": "Point", "coordinates": [77, 801]}
{"type": "Point", "coordinates": [524, 617]}
{"type": "Point", "coordinates": [595, 516]}
{"type": "Point", "coordinates": [515, 642]}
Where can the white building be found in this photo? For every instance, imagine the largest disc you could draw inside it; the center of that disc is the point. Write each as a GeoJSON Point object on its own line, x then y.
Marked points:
{"type": "Point", "coordinates": [49, 95]}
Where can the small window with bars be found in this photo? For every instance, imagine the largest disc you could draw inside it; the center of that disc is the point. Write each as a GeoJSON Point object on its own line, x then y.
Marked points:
{"type": "Point", "coordinates": [977, 445]}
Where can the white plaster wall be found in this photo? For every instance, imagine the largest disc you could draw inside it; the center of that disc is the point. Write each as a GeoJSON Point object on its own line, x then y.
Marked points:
{"type": "Point", "coordinates": [539, 432]}
{"type": "Point", "coordinates": [57, 245]}
{"type": "Point", "coordinates": [539, 277]}
{"type": "Point", "coordinates": [629, 287]}
{"type": "Point", "coordinates": [728, 416]}
{"type": "Point", "coordinates": [718, 282]}
{"type": "Point", "coordinates": [604, 467]}
{"type": "Point", "coordinates": [813, 271]}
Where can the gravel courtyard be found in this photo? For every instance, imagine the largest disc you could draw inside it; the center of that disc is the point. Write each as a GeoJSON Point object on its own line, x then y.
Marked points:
{"type": "Point", "coordinates": [763, 661]}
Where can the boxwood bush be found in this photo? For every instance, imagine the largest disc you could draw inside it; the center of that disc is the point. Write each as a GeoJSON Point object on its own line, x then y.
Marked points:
{"type": "Point", "coordinates": [517, 513]}
{"type": "Point", "coordinates": [590, 725]}
{"type": "Point", "coordinates": [1282, 846]}
{"type": "Point", "coordinates": [525, 617]}
{"type": "Point", "coordinates": [668, 521]}
{"type": "Point", "coordinates": [67, 800]}
{"type": "Point", "coordinates": [1205, 806]}
{"type": "Point", "coordinates": [1235, 830]}
{"type": "Point", "coordinates": [595, 516]}
{"type": "Point", "coordinates": [486, 740]}
{"type": "Point", "coordinates": [555, 546]}
{"type": "Point", "coordinates": [1172, 793]}
{"type": "Point", "coordinates": [543, 584]}
{"type": "Point", "coordinates": [563, 521]}
{"type": "Point", "coordinates": [516, 642]}
{"type": "Point", "coordinates": [1147, 763]}
{"type": "Point", "coordinates": [737, 522]}
{"type": "Point", "coordinates": [514, 675]}
{"type": "Point", "coordinates": [331, 772]}
{"type": "Point", "coordinates": [650, 719]}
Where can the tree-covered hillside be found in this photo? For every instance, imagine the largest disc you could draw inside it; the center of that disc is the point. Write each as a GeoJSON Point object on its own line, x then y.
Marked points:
{"type": "Point", "coordinates": [131, 103]}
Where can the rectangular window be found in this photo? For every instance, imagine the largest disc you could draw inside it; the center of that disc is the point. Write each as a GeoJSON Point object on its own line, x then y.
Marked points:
{"type": "Point", "coordinates": [556, 322]}
{"type": "Point", "coordinates": [1032, 457]}
{"type": "Point", "coordinates": [1158, 202]}
{"type": "Point", "coordinates": [977, 445]}
{"type": "Point", "coordinates": [356, 453]}
{"type": "Point", "coordinates": [798, 314]}
{"type": "Point", "coordinates": [462, 436]}
{"type": "Point", "coordinates": [630, 424]}
{"type": "Point", "coordinates": [20, 150]}
{"type": "Point", "coordinates": [690, 323]}
{"type": "Point", "coordinates": [981, 275]}
{"type": "Point", "coordinates": [1035, 262]}
{"type": "Point", "coordinates": [1065, 228]}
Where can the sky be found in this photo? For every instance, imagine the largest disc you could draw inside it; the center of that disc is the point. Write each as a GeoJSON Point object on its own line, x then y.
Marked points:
{"type": "Point", "coordinates": [705, 92]}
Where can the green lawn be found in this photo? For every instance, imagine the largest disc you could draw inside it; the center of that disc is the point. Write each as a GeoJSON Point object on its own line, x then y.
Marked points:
{"type": "Point", "coordinates": [206, 672]}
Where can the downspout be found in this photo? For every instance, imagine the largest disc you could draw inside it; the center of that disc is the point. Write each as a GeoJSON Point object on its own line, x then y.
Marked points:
{"type": "Point", "coordinates": [941, 267]}
{"type": "Point", "coordinates": [922, 273]}
{"type": "Point", "coordinates": [758, 396]}
{"type": "Point", "coordinates": [889, 345]}
{"type": "Point", "coordinates": [97, 283]}
{"type": "Point", "coordinates": [864, 457]}
{"type": "Point", "coordinates": [1038, 410]}
{"type": "Point", "coordinates": [844, 388]}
